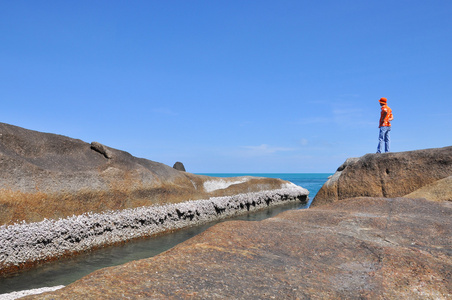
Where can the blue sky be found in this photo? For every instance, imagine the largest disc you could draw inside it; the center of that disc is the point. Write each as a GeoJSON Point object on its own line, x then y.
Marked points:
{"type": "Point", "coordinates": [230, 86]}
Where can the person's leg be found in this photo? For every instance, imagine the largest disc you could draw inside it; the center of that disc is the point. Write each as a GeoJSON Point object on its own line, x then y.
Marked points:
{"type": "Point", "coordinates": [387, 138]}
{"type": "Point", "coordinates": [380, 140]}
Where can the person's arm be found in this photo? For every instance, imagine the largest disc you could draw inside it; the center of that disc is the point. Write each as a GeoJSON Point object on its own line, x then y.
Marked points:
{"type": "Point", "coordinates": [383, 116]}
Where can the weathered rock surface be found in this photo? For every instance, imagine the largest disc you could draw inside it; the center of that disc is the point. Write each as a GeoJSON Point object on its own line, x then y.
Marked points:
{"type": "Point", "coordinates": [102, 149]}
{"type": "Point", "coordinates": [179, 166]}
{"type": "Point", "coordinates": [387, 175]}
{"type": "Point", "coordinates": [71, 196]}
{"type": "Point", "coordinates": [45, 175]}
{"type": "Point", "coordinates": [364, 248]}
{"type": "Point", "coordinates": [440, 190]}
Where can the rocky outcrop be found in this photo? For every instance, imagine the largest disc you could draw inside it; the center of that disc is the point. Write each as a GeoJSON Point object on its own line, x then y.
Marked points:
{"type": "Point", "coordinates": [48, 179]}
{"type": "Point", "coordinates": [387, 175]}
{"type": "Point", "coordinates": [384, 247]}
{"type": "Point", "coordinates": [364, 248]}
{"type": "Point", "coordinates": [102, 149]}
{"type": "Point", "coordinates": [45, 175]}
{"type": "Point", "coordinates": [179, 166]}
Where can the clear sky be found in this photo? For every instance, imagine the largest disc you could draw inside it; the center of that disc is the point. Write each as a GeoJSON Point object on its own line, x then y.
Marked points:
{"type": "Point", "coordinates": [230, 86]}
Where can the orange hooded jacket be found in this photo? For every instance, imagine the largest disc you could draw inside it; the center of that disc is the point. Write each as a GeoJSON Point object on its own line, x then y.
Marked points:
{"type": "Point", "coordinates": [386, 114]}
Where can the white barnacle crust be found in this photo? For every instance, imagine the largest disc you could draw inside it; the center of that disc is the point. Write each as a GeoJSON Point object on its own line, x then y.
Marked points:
{"type": "Point", "coordinates": [20, 294]}
{"type": "Point", "coordinates": [219, 184]}
{"type": "Point", "coordinates": [27, 242]}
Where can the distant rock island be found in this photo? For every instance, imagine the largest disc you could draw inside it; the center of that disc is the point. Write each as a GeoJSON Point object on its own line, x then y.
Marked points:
{"type": "Point", "coordinates": [361, 240]}
{"type": "Point", "coordinates": [60, 196]}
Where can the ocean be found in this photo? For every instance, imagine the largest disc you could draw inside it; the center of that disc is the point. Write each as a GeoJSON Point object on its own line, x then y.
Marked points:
{"type": "Point", "coordinates": [310, 181]}
{"type": "Point", "coordinates": [66, 271]}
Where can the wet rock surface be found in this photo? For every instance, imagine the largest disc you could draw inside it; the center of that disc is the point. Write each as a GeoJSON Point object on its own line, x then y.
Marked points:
{"type": "Point", "coordinates": [366, 248]}
{"type": "Point", "coordinates": [387, 175]}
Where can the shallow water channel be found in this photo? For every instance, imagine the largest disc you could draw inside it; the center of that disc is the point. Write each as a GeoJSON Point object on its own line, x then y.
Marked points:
{"type": "Point", "coordinates": [68, 270]}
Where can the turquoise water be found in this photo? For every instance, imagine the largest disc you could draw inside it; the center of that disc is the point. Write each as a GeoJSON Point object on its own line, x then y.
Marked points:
{"type": "Point", "coordinates": [310, 181]}
{"type": "Point", "coordinates": [68, 270]}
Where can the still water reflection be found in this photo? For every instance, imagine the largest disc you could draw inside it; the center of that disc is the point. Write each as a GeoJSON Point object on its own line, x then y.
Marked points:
{"type": "Point", "coordinates": [68, 270]}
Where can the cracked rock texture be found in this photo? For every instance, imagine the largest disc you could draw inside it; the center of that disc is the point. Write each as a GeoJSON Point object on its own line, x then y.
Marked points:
{"type": "Point", "coordinates": [364, 248]}
{"type": "Point", "coordinates": [391, 175]}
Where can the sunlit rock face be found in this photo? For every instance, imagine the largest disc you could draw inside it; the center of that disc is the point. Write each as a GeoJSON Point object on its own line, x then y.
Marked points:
{"type": "Point", "coordinates": [45, 175]}
{"type": "Point", "coordinates": [440, 190]}
{"type": "Point", "coordinates": [60, 196]}
{"type": "Point", "coordinates": [389, 175]}
{"type": "Point", "coordinates": [366, 248]}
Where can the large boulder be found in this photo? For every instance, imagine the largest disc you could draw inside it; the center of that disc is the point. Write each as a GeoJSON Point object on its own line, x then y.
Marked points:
{"type": "Point", "coordinates": [387, 175]}
{"type": "Point", "coordinates": [366, 248]}
{"type": "Point", "coordinates": [44, 175]}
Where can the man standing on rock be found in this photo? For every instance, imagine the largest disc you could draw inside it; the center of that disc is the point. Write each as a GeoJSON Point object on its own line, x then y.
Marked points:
{"type": "Point", "coordinates": [385, 126]}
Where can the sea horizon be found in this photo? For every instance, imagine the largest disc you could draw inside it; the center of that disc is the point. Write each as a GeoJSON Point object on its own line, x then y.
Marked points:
{"type": "Point", "coordinates": [313, 182]}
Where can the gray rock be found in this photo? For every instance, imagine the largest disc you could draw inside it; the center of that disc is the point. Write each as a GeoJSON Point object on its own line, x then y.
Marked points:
{"type": "Point", "coordinates": [102, 149]}
{"type": "Point", "coordinates": [179, 166]}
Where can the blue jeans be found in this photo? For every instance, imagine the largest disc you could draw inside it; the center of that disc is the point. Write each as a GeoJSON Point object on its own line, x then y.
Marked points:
{"type": "Point", "coordinates": [384, 138]}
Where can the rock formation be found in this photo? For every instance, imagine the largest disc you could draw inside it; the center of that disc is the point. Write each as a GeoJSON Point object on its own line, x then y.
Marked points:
{"type": "Point", "coordinates": [45, 175]}
{"type": "Point", "coordinates": [387, 175]}
{"type": "Point", "coordinates": [60, 196]}
{"type": "Point", "coordinates": [364, 248]}
{"type": "Point", "coordinates": [385, 247]}
{"type": "Point", "coordinates": [102, 149]}
{"type": "Point", "coordinates": [179, 166]}
{"type": "Point", "coordinates": [440, 190]}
